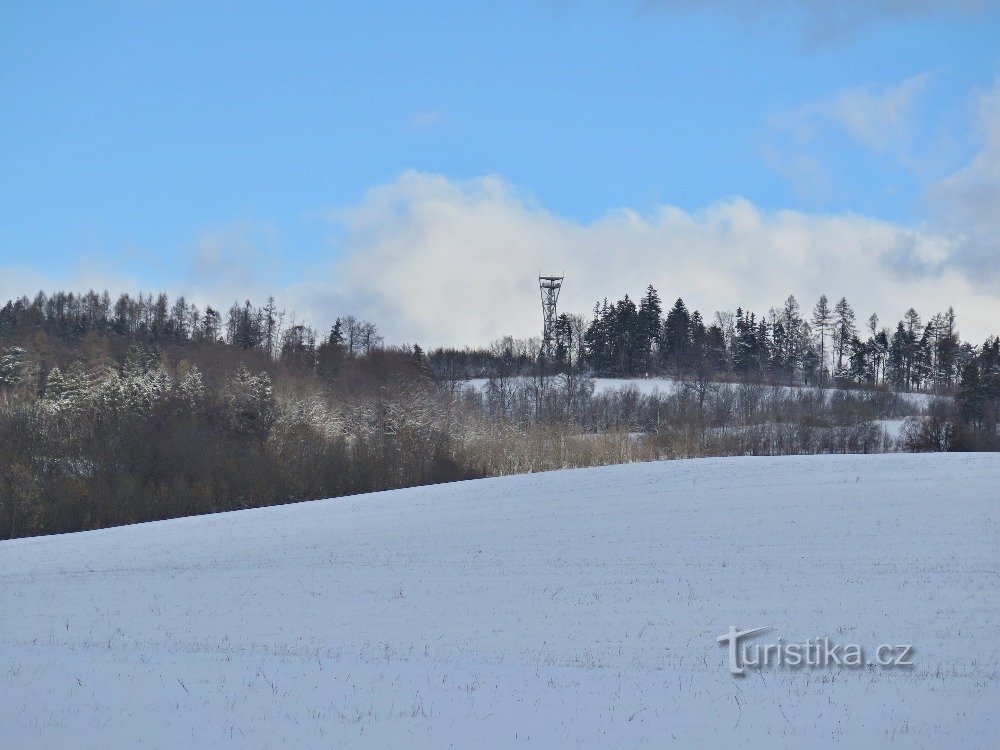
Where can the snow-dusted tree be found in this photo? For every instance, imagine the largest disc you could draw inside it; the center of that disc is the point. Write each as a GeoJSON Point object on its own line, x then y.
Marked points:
{"type": "Point", "coordinates": [13, 369]}
{"type": "Point", "coordinates": [190, 388]}
{"type": "Point", "coordinates": [249, 403]}
{"type": "Point", "coordinates": [71, 389]}
{"type": "Point", "coordinates": [55, 386]}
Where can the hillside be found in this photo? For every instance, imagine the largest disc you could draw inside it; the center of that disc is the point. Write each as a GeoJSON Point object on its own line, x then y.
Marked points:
{"type": "Point", "coordinates": [568, 609]}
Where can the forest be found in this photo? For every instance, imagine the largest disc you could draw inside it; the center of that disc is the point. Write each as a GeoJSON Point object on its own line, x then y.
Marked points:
{"type": "Point", "coordinates": [143, 408]}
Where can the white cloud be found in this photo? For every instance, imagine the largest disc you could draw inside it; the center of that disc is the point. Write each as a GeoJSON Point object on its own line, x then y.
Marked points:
{"type": "Point", "coordinates": [879, 119]}
{"type": "Point", "coordinates": [230, 264]}
{"type": "Point", "coordinates": [967, 203]}
{"type": "Point", "coordinates": [441, 261]}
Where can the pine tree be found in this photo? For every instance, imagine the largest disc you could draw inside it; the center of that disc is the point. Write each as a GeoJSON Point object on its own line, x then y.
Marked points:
{"type": "Point", "coordinates": [821, 323]}
{"type": "Point", "coordinates": [911, 348]}
{"type": "Point", "coordinates": [794, 342]}
{"type": "Point", "coordinates": [271, 325]}
{"type": "Point", "coordinates": [55, 386]}
{"type": "Point", "coordinates": [332, 353]}
{"type": "Point", "coordinates": [896, 363]}
{"type": "Point", "coordinates": [844, 330]}
{"type": "Point", "coordinates": [675, 341]}
{"type": "Point", "coordinates": [13, 368]}
{"type": "Point", "coordinates": [597, 339]}
{"type": "Point", "coordinates": [650, 313]}
{"type": "Point", "coordinates": [859, 362]}
{"type": "Point", "coordinates": [715, 344]}
{"type": "Point", "coordinates": [191, 387]}
{"type": "Point", "coordinates": [178, 322]}
{"type": "Point", "coordinates": [627, 338]}
{"type": "Point", "coordinates": [564, 340]}
{"type": "Point", "coordinates": [160, 315]}
{"type": "Point", "coordinates": [972, 396]}
{"type": "Point", "coordinates": [211, 326]}
{"type": "Point", "coordinates": [250, 404]}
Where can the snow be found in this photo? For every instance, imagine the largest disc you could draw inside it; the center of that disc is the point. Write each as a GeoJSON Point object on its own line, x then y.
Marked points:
{"type": "Point", "coordinates": [645, 386]}
{"type": "Point", "coordinates": [893, 427]}
{"type": "Point", "coordinates": [569, 609]}
{"type": "Point", "coordinates": [667, 386]}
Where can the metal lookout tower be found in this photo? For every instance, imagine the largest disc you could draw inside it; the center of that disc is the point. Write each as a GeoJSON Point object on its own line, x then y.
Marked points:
{"type": "Point", "coordinates": [549, 287]}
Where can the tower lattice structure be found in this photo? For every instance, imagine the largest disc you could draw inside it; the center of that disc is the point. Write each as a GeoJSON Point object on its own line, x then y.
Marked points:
{"type": "Point", "coordinates": [549, 287]}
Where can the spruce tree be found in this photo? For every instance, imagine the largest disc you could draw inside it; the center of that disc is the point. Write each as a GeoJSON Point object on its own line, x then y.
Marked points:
{"type": "Point", "coordinates": [844, 330]}
{"type": "Point", "coordinates": [971, 396]}
{"type": "Point", "coordinates": [650, 313]}
{"type": "Point", "coordinates": [675, 342]}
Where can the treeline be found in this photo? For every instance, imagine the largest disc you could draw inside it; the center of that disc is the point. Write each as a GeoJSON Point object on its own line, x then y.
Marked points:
{"type": "Point", "coordinates": [784, 345]}
{"type": "Point", "coordinates": [148, 408]}
{"type": "Point", "coordinates": [147, 319]}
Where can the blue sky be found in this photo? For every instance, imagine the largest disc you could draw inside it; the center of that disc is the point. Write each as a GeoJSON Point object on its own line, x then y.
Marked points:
{"type": "Point", "coordinates": [152, 143]}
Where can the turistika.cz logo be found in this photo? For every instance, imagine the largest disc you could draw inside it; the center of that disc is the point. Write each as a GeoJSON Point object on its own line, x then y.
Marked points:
{"type": "Point", "coordinates": [812, 653]}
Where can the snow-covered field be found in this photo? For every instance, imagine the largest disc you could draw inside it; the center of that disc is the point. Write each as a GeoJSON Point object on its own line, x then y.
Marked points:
{"type": "Point", "coordinates": [667, 386]}
{"type": "Point", "coordinates": [571, 609]}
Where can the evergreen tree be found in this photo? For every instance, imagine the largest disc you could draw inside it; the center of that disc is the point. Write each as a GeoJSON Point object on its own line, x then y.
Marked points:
{"type": "Point", "coordinates": [211, 325]}
{"type": "Point", "coordinates": [844, 330]}
{"type": "Point", "coordinates": [743, 341]}
{"type": "Point", "coordinates": [178, 322]}
{"type": "Point", "coordinates": [650, 313]}
{"type": "Point", "coordinates": [331, 353]}
{"type": "Point", "coordinates": [597, 339]}
{"type": "Point", "coordinates": [715, 345]}
{"type": "Point", "coordinates": [794, 338]}
{"type": "Point", "coordinates": [859, 363]}
{"type": "Point", "coordinates": [972, 396]}
{"type": "Point", "coordinates": [55, 385]}
{"type": "Point", "coordinates": [564, 340]}
{"type": "Point", "coordinates": [627, 338]}
{"type": "Point", "coordinates": [160, 315]}
{"type": "Point", "coordinates": [911, 348]}
{"type": "Point", "coordinates": [897, 358]}
{"type": "Point", "coordinates": [13, 368]}
{"type": "Point", "coordinates": [675, 341]}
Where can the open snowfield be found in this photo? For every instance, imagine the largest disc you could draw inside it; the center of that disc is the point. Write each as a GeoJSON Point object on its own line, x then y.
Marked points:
{"type": "Point", "coordinates": [571, 609]}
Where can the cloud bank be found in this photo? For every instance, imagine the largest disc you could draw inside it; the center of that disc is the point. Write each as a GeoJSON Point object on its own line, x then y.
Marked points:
{"type": "Point", "coordinates": [454, 262]}
{"type": "Point", "coordinates": [441, 261]}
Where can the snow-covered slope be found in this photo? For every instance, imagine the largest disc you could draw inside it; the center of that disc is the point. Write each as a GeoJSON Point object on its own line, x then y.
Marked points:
{"type": "Point", "coordinates": [666, 386]}
{"type": "Point", "coordinates": [572, 609]}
